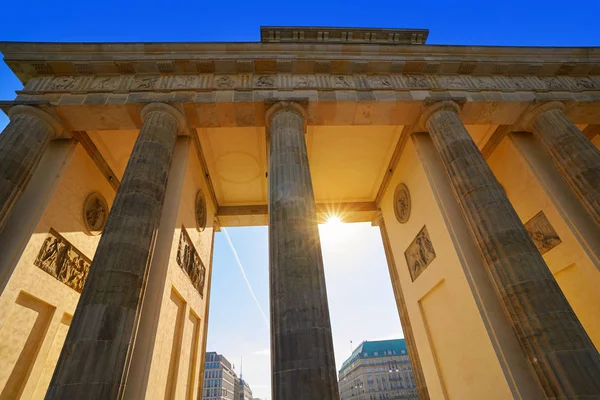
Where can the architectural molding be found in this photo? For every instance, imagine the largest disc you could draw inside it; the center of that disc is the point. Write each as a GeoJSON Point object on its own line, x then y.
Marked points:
{"type": "Point", "coordinates": [90, 148]}
{"type": "Point", "coordinates": [591, 131]}
{"type": "Point", "coordinates": [407, 130]}
{"type": "Point", "coordinates": [29, 60]}
{"type": "Point", "coordinates": [495, 140]}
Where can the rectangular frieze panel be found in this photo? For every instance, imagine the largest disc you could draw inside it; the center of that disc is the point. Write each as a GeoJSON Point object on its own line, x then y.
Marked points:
{"type": "Point", "coordinates": [419, 254]}
{"type": "Point", "coordinates": [543, 234]}
{"type": "Point", "coordinates": [144, 83]}
{"type": "Point", "coordinates": [63, 261]}
{"type": "Point", "coordinates": [342, 82]}
{"type": "Point", "coordinates": [184, 82]}
{"type": "Point", "coordinates": [304, 81]}
{"type": "Point", "coordinates": [265, 81]}
{"type": "Point", "coordinates": [190, 262]}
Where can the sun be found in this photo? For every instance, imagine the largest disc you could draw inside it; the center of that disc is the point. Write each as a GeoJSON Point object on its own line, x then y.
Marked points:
{"type": "Point", "coordinates": [333, 220]}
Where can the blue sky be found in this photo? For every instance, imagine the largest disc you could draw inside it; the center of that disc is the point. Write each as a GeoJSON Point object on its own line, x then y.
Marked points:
{"type": "Point", "coordinates": [360, 294]}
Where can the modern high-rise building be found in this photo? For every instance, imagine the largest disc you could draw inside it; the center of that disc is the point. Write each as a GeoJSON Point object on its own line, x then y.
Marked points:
{"type": "Point", "coordinates": [378, 370]}
{"type": "Point", "coordinates": [219, 379]}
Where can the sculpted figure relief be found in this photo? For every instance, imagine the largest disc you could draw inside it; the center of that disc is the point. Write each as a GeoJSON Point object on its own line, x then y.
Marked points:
{"type": "Point", "coordinates": [63, 261]}
{"type": "Point", "coordinates": [143, 82]}
{"type": "Point", "coordinates": [184, 82]}
{"type": "Point", "coordinates": [419, 254]}
{"type": "Point", "coordinates": [379, 82]}
{"type": "Point", "coordinates": [190, 262]}
{"type": "Point", "coordinates": [106, 83]}
{"type": "Point", "coordinates": [543, 234]}
{"type": "Point", "coordinates": [265, 81]}
{"type": "Point", "coordinates": [95, 213]}
{"type": "Point", "coordinates": [303, 81]}
{"type": "Point", "coordinates": [62, 83]}
{"type": "Point", "coordinates": [402, 203]}
{"type": "Point", "coordinates": [224, 82]}
{"type": "Point", "coordinates": [200, 211]}
{"type": "Point", "coordinates": [341, 81]}
{"type": "Point", "coordinates": [416, 81]}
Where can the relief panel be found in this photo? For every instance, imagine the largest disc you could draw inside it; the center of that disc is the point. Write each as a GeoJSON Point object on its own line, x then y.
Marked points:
{"type": "Point", "coordinates": [543, 234]}
{"type": "Point", "coordinates": [209, 81]}
{"type": "Point", "coordinates": [63, 261]}
{"type": "Point", "coordinates": [419, 254]}
{"type": "Point", "coordinates": [190, 262]}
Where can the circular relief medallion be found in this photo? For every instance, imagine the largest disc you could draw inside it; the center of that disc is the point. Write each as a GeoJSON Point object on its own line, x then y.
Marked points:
{"type": "Point", "coordinates": [200, 211]}
{"type": "Point", "coordinates": [402, 203]}
{"type": "Point", "coordinates": [95, 213]}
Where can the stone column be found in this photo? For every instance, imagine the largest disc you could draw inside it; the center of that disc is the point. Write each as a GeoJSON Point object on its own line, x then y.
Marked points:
{"type": "Point", "coordinates": [22, 144]}
{"type": "Point", "coordinates": [573, 154]}
{"type": "Point", "coordinates": [552, 339]}
{"type": "Point", "coordinates": [95, 358]}
{"type": "Point", "coordinates": [413, 353]}
{"type": "Point", "coordinates": [302, 360]}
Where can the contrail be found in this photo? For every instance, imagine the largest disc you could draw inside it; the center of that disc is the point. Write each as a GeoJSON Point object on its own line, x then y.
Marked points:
{"type": "Point", "coordinates": [239, 263]}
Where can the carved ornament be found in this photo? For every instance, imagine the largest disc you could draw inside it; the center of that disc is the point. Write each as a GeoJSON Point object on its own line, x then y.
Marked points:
{"type": "Point", "coordinates": [419, 254]}
{"type": "Point", "coordinates": [200, 211]}
{"type": "Point", "coordinates": [190, 262]}
{"type": "Point", "coordinates": [543, 234]}
{"type": "Point", "coordinates": [63, 261]}
{"type": "Point", "coordinates": [402, 205]}
{"type": "Point", "coordinates": [95, 213]}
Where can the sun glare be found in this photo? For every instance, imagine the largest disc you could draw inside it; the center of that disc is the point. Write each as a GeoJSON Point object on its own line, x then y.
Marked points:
{"type": "Point", "coordinates": [334, 220]}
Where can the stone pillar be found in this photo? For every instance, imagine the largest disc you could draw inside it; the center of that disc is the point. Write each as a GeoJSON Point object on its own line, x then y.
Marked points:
{"type": "Point", "coordinates": [95, 358]}
{"type": "Point", "coordinates": [413, 353]}
{"type": "Point", "coordinates": [22, 144]}
{"type": "Point", "coordinates": [573, 154]}
{"type": "Point", "coordinates": [302, 360]}
{"type": "Point", "coordinates": [554, 342]}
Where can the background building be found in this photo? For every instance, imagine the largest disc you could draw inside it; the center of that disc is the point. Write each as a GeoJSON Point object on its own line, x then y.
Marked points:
{"type": "Point", "coordinates": [219, 379]}
{"type": "Point", "coordinates": [242, 390]}
{"type": "Point", "coordinates": [378, 370]}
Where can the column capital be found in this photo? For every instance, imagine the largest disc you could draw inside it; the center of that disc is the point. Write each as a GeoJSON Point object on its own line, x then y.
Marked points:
{"type": "Point", "coordinates": [182, 127]}
{"type": "Point", "coordinates": [284, 105]}
{"type": "Point", "coordinates": [431, 109]}
{"type": "Point", "coordinates": [531, 114]}
{"type": "Point", "coordinates": [57, 127]}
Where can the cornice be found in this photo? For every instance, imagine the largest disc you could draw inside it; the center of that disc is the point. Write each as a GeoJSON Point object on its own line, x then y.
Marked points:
{"type": "Point", "coordinates": [29, 60]}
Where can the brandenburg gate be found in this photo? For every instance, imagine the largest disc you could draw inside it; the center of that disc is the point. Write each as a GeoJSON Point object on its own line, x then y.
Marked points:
{"type": "Point", "coordinates": [480, 165]}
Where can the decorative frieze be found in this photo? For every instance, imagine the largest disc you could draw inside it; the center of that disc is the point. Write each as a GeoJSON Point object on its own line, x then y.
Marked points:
{"type": "Point", "coordinates": [63, 261]}
{"type": "Point", "coordinates": [543, 234]}
{"type": "Point", "coordinates": [190, 262]}
{"type": "Point", "coordinates": [248, 81]}
{"type": "Point", "coordinates": [419, 254]}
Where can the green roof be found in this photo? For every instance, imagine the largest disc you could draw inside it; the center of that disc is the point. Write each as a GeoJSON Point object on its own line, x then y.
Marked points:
{"type": "Point", "coordinates": [376, 349]}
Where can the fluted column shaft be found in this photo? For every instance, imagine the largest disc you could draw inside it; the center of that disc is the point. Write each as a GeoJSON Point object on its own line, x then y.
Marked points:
{"type": "Point", "coordinates": [22, 144]}
{"type": "Point", "coordinates": [302, 359]}
{"type": "Point", "coordinates": [573, 154]}
{"type": "Point", "coordinates": [95, 358]}
{"type": "Point", "coordinates": [552, 338]}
